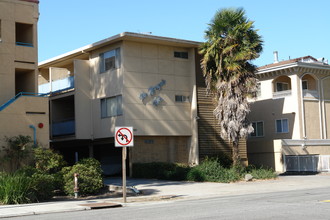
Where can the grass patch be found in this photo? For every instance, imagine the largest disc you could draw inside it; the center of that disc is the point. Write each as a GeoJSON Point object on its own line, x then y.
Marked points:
{"type": "Point", "coordinates": [16, 188]}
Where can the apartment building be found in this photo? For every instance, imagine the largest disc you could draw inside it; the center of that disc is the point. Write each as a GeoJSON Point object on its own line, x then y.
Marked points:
{"type": "Point", "coordinates": [291, 116]}
{"type": "Point", "coordinates": [151, 83]}
{"type": "Point", "coordinates": [22, 111]}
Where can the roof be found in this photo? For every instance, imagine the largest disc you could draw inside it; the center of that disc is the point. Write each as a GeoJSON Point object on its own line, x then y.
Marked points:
{"type": "Point", "coordinates": [306, 61]}
{"type": "Point", "coordinates": [34, 1]}
{"type": "Point", "coordinates": [288, 61]}
{"type": "Point", "coordinates": [119, 37]}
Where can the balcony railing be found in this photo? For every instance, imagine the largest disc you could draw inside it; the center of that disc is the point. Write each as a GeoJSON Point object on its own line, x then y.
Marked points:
{"type": "Point", "coordinates": [63, 128]}
{"type": "Point", "coordinates": [57, 85]}
{"type": "Point", "coordinates": [310, 93]}
{"type": "Point", "coordinates": [281, 94]}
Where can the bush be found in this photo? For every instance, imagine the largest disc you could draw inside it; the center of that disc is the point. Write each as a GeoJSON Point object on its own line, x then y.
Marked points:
{"type": "Point", "coordinates": [90, 179]}
{"type": "Point", "coordinates": [92, 162]}
{"type": "Point", "coordinates": [43, 186]}
{"type": "Point", "coordinates": [47, 161]}
{"type": "Point", "coordinates": [18, 152]}
{"type": "Point", "coordinates": [16, 188]}
{"type": "Point", "coordinates": [261, 173]}
{"type": "Point", "coordinates": [211, 170]}
{"type": "Point", "coordinates": [160, 170]}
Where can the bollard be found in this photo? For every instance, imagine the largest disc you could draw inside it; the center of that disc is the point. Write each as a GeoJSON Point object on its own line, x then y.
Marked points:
{"type": "Point", "coordinates": [76, 188]}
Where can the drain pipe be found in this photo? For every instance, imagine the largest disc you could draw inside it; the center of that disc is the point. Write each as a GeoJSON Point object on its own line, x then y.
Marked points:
{"type": "Point", "coordinates": [34, 134]}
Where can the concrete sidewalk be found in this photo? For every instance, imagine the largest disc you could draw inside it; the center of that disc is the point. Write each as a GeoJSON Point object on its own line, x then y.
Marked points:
{"type": "Point", "coordinates": [157, 190]}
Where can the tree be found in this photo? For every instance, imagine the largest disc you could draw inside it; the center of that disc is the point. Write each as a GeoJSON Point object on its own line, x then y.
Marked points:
{"type": "Point", "coordinates": [18, 152]}
{"type": "Point", "coordinates": [231, 44]}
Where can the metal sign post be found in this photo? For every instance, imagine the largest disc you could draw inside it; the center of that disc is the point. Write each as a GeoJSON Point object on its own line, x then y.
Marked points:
{"type": "Point", "coordinates": [124, 172]}
{"type": "Point", "coordinates": [124, 138]}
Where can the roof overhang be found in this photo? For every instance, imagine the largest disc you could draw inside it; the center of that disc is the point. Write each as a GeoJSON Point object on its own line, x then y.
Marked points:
{"type": "Point", "coordinates": [294, 65]}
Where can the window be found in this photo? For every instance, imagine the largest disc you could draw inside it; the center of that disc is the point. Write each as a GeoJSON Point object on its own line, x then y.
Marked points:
{"type": "Point", "coordinates": [181, 98]}
{"type": "Point", "coordinates": [183, 55]}
{"type": "Point", "coordinates": [258, 89]}
{"type": "Point", "coordinates": [24, 35]}
{"type": "Point", "coordinates": [258, 129]}
{"type": "Point", "coordinates": [281, 86]}
{"type": "Point", "coordinates": [111, 107]}
{"type": "Point", "coordinates": [304, 84]}
{"type": "Point", "coordinates": [109, 60]}
{"type": "Point", "coordinates": [282, 126]}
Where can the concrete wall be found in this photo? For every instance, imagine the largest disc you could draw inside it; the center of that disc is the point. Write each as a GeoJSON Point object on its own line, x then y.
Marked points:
{"type": "Point", "coordinates": [26, 111]}
{"type": "Point", "coordinates": [12, 56]}
{"type": "Point", "coordinates": [82, 101]}
{"type": "Point", "coordinates": [160, 149]}
{"type": "Point", "coordinates": [146, 65]}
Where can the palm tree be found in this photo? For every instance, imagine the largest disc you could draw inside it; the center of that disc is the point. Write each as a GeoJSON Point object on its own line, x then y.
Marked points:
{"type": "Point", "coordinates": [231, 44]}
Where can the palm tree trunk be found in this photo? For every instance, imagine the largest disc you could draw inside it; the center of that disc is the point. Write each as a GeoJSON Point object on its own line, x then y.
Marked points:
{"type": "Point", "coordinates": [236, 156]}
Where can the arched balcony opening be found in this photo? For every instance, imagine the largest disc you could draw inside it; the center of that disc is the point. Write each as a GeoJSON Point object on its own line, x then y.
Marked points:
{"type": "Point", "coordinates": [309, 86]}
{"type": "Point", "coordinates": [281, 87]}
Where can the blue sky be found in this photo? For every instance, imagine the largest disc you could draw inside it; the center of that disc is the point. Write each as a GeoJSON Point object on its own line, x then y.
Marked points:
{"type": "Point", "coordinates": [294, 28]}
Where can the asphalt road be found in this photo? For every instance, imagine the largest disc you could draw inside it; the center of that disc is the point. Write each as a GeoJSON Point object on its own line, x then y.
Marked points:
{"type": "Point", "coordinates": [300, 204]}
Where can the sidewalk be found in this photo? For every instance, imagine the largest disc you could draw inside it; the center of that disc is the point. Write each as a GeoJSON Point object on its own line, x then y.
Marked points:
{"type": "Point", "coordinates": [157, 190]}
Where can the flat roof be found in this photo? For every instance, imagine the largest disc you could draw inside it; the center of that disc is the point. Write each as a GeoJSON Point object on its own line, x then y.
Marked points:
{"type": "Point", "coordinates": [119, 37]}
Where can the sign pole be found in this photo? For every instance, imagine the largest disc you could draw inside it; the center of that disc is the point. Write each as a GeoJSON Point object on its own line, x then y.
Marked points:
{"type": "Point", "coordinates": [124, 138]}
{"type": "Point", "coordinates": [124, 173]}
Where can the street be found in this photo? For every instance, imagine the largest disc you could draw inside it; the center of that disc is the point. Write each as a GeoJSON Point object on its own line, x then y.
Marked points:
{"type": "Point", "coordinates": [300, 204]}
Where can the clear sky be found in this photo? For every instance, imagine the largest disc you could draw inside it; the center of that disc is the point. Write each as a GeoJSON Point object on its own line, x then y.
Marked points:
{"type": "Point", "coordinates": [294, 28]}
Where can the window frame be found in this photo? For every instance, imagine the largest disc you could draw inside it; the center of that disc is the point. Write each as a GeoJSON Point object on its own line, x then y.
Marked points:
{"type": "Point", "coordinates": [302, 84]}
{"type": "Point", "coordinates": [256, 131]}
{"type": "Point", "coordinates": [181, 54]}
{"type": "Point", "coordinates": [107, 102]}
{"type": "Point", "coordinates": [282, 131]}
{"type": "Point", "coordinates": [183, 98]}
{"type": "Point", "coordinates": [116, 61]}
{"type": "Point", "coordinates": [282, 83]}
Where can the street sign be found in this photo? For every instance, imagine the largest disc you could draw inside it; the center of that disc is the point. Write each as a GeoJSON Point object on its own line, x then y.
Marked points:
{"type": "Point", "coordinates": [124, 137]}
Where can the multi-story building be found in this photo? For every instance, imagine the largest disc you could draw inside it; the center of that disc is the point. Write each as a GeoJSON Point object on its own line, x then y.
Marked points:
{"type": "Point", "coordinates": [22, 111]}
{"type": "Point", "coordinates": [291, 116]}
{"type": "Point", "coordinates": [151, 83]}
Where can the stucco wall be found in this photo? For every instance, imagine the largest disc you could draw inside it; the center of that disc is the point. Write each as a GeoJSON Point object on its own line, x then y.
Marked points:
{"type": "Point", "coordinates": [26, 111]}
{"type": "Point", "coordinates": [146, 65]}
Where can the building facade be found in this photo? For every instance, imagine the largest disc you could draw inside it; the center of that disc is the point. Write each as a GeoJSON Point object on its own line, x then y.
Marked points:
{"type": "Point", "coordinates": [22, 111]}
{"type": "Point", "coordinates": [291, 116]}
{"type": "Point", "coordinates": [151, 83]}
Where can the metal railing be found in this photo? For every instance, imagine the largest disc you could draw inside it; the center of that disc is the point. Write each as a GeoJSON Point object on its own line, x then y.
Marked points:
{"type": "Point", "coordinates": [66, 127]}
{"type": "Point", "coordinates": [57, 85]}
{"type": "Point", "coordinates": [2, 107]}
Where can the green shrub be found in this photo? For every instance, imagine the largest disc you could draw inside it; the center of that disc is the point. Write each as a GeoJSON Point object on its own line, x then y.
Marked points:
{"type": "Point", "coordinates": [17, 153]}
{"type": "Point", "coordinates": [160, 170]}
{"type": "Point", "coordinates": [90, 179]}
{"type": "Point", "coordinates": [92, 162]}
{"type": "Point", "coordinates": [43, 186]}
{"type": "Point", "coordinates": [211, 170]}
{"type": "Point", "coordinates": [48, 161]}
{"type": "Point", "coordinates": [261, 173]}
{"type": "Point", "coordinates": [16, 188]}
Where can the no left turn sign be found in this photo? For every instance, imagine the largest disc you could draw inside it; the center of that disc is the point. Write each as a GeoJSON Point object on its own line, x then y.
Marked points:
{"type": "Point", "coordinates": [124, 137]}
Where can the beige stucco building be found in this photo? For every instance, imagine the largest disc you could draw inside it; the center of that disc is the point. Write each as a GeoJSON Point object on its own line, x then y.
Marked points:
{"type": "Point", "coordinates": [22, 111]}
{"type": "Point", "coordinates": [291, 116]}
{"type": "Point", "coordinates": [151, 83]}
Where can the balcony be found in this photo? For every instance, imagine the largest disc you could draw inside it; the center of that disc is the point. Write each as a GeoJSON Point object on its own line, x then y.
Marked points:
{"type": "Point", "coordinates": [63, 128]}
{"type": "Point", "coordinates": [57, 85]}
{"type": "Point", "coordinates": [281, 94]}
{"type": "Point", "coordinates": [310, 94]}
